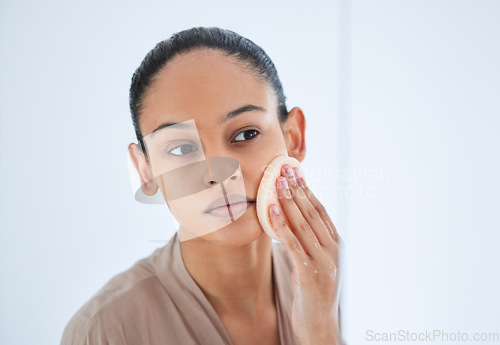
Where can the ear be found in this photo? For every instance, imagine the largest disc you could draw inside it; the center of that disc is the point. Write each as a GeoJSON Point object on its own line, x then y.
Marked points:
{"type": "Point", "coordinates": [294, 133]}
{"type": "Point", "coordinates": [148, 184]}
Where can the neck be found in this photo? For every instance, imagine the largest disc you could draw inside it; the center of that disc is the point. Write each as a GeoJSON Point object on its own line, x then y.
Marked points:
{"type": "Point", "coordinates": [234, 279]}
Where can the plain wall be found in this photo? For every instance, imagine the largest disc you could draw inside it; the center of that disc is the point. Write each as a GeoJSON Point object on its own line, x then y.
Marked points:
{"type": "Point", "coordinates": [423, 91]}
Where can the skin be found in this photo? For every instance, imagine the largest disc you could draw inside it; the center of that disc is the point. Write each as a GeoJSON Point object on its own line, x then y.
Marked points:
{"type": "Point", "coordinates": [232, 265]}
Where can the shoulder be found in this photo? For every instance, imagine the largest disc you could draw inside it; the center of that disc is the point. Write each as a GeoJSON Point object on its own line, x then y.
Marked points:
{"type": "Point", "coordinates": [123, 298]}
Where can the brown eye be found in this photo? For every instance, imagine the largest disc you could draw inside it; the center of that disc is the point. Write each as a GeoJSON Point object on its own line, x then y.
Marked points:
{"type": "Point", "coordinates": [246, 135]}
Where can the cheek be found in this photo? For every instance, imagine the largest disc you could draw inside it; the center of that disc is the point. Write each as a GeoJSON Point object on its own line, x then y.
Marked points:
{"type": "Point", "coordinates": [253, 169]}
{"type": "Point", "coordinates": [253, 164]}
{"type": "Point", "coordinates": [272, 146]}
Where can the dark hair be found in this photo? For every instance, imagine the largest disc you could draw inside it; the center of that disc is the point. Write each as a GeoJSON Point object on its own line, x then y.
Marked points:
{"type": "Point", "coordinates": [226, 41]}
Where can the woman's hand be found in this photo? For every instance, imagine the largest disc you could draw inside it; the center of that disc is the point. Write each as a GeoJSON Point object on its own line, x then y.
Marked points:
{"type": "Point", "coordinates": [313, 245]}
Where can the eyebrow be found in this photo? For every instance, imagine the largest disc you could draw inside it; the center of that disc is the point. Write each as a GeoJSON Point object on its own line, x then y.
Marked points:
{"type": "Point", "coordinates": [222, 119]}
{"type": "Point", "coordinates": [178, 125]}
{"type": "Point", "coordinates": [240, 110]}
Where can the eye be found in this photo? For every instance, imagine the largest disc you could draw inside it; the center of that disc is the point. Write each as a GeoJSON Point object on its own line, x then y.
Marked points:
{"type": "Point", "coordinates": [246, 135]}
{"type": "Point", "coordinates": [183, 150]}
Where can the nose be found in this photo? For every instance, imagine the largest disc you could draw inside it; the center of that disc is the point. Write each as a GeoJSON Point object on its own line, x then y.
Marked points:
{"type": "Point", "coordinates": [220, 169]}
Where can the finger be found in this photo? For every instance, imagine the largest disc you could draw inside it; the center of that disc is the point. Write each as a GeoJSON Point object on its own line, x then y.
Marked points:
{"type": "Point", "coordinates": [288, 238]}
{"type": "Point", "coordinates": [332, 230]}
{"type": "Point", "coordinates": [298, 223]}
{"type": "Point", "coordinates": [308, 211]}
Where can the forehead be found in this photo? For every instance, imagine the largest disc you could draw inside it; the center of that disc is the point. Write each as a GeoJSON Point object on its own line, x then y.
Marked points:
{"type": "Point", "coordinates": [201, 85]}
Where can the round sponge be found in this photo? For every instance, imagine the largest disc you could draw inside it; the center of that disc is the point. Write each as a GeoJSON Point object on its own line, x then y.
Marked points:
{"type": "Point", "coordinates": [267, 193]}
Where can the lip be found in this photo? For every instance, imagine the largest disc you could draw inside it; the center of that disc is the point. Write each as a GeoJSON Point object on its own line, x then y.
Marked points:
{"type": "Point", "coordinates": [232, 199]}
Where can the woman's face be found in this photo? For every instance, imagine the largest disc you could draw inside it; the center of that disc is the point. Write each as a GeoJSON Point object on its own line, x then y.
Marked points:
{"type": "Point", "coordinates": [201, 87]}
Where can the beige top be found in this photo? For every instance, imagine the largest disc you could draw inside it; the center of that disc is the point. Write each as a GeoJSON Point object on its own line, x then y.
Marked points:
{"type": "Point", "coordinates": [157, 302]}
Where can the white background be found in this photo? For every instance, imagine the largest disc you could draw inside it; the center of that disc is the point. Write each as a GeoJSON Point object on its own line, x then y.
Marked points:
{"type": "Point", "coordinates": [402, 108]}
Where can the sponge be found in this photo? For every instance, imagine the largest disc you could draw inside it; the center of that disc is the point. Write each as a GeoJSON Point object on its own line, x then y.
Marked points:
{"type": "Point", "coordinates": [267, 193]}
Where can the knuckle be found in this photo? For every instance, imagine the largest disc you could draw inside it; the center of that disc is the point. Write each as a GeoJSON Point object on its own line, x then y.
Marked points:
{"type": "Point", "coordinates": [304, 227]}
{"type": "Point", "coordinates": [321, 210]}
{"type": "Point", "coordinates": [281, 224]}
{"type": "Point", "coordinates": [301, 193]}
{"type": "Point", "coordinates": [312, 213]}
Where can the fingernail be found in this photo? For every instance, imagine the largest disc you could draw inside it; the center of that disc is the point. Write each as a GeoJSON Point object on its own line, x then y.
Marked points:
{"type": "Point", "coordinates": [283, 185]}
{"type": "Point", "coordinates": [298, 177]}
{"type": "Point", "coordinates": [296, 172]}
{"type": "Point", "coordinates": [288, 170]}
{"type": "Point", "coordinates": [275, 210]}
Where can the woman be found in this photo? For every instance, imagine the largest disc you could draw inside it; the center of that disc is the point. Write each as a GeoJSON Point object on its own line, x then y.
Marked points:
{"type": "Point", "coordinates": [220, 279]}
